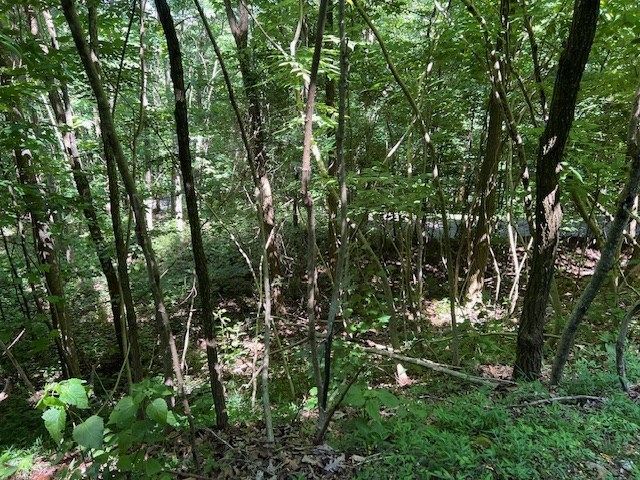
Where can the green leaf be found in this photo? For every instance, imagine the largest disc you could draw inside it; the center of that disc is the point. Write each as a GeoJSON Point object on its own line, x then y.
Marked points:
{"type": "Point", "coordinates": [152, 467]}
{"type": "Point", "coordinates": [372, 407]}
{"type": "Point", "coordinates": [355, 398]}
{"type": "Point", "coordinates": [89, 433]}
{"type": "Point", "coordinates": [125, 463]}
{"type": "Point", "coordinates": [54, 421]}
{"type": "Point", "coordinates": [124, 412]}
{"type": "Point", "coordinates": [158, 410]}
{"type": "Point", "coordinates": [72, 392]}
{"type": "Point", "coordinates": [50, 401]}
{"type": "Point", "coordinates": [171, 419]}
{"type": "Point", "coordinates": [388, 399]}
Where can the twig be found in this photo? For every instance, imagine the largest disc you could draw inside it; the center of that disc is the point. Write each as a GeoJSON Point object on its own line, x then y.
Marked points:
{"type": "Point", "coordinates": [15, 341]}
{"type": "Point", "coordinates": [620, 344]}
{"type": "Point", "coordinates": [213, 432]}
{"type": "Point", "coordinates": [193, 294]}
{"type": "Point", "coordinates": [569, 399]}
{"type": "Point", "coordinates": [329, 415]}
{"type": "Point", "coordinates": [294, 344]}
{"type": "Point", "coordinates": [19, 369]}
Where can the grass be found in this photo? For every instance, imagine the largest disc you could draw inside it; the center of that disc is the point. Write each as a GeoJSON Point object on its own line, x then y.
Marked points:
{"type": "Point", "coordinates": [477, 436]}
{"type": "Point", "coordinates": [482, 434]}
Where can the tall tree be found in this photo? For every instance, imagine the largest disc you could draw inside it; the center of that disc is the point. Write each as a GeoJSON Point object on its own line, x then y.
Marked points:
{"type": "Point", "coordinates": [35, 199]}
{"type": "Point", "coordinates": [548, 211]}
{"type": "Point", "coordinates": [47, 254]}
{"type": "Point", "coordinates": [239, 23]}
{"type": "Point", "coordinates": [484, 205]}
{"type": "Point", "coordinates": [61, 105]}
{"type": "Point", "coordinates": [186, 168]}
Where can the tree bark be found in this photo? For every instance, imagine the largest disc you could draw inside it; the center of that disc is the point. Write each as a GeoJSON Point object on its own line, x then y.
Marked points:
{"type": "Point", "coordinates": [186, 168]}
{"type": "Point", "coordinates": [47, 256]}
{"type": "Point", "coordinates": [332, 166]}
{"type": "Point", "coordinates": [548, 210]}
{"type": "Point", "coordinates": [35, 203]}
{"type": "Point", "coordinates": [307, 199]}
{"type": "Point", "coordinates": [61, 105]}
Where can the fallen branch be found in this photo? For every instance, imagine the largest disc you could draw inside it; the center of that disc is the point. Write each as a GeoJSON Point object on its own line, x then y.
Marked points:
{"type": "Point", "coordinates": [570, 399]}
{"type": "Point", "coordinates": [437, 367]}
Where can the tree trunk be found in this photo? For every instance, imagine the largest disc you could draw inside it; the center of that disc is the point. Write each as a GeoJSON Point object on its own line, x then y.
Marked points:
{"type": "Point", "coordinates": [186, 168]}
{"type": "Point", "coordinates": [307, 199]}
{"type": "Point", "coordinates": [485, 201]}
{"type": "Point", "coordinates": [548, 210]}
{"type": "Point", "coordinates": [34, 197]}
{"type": "Point", "coordinates": [484, 206]}
{"type": "Point", "coordinates": [112, 146]}
{"type": "Point", "coordinates": [239, 24]}
{"type": "Point", "coordinates": [332, 165]}
{"type": "Point", "coordinates": [611, 249]}
{"type": "Point", "coordinates": [47, 257]}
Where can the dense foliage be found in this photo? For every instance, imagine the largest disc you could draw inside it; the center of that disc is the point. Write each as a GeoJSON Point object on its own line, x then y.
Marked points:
{"type": "Point", "coordinates": [369, 289]}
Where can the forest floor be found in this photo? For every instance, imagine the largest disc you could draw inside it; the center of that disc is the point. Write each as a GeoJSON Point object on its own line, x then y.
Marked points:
{"type": "Point", "coordinates": [388, 426]}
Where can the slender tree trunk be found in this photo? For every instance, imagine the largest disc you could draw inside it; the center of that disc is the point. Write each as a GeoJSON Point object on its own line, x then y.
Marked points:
{"type": "Point", "coordinates": [332, 165]}
{"type": "Point", "coordinates": [186, 168]}
{"type": "Point", "coordinates": [266, 277]}
{"type": "Point", "coordinates": [112, 146]}
{"type": "Point", "coordinates": [47, 257]}
{"type": "Point", "coordinates": [239, 24]}
{"type": "Point", "coordinates": [548, 210]}
{"type": "Point", "coordinates": [484, 206]}
{"type": "Point", "coordinates": [35, 202]}
{"type": "Point", "coordinates": [341, 260]}
{"type": "Point", "coordinates": [485, 200]}
{"type": "Point", "coordinates": [61, 106]}
{"type": "Point", "coordinates": [307, 199]}
{"type": "Point", "coordinates": [429, 153]}
{"type": "Point", "coordinates": [611, 249]}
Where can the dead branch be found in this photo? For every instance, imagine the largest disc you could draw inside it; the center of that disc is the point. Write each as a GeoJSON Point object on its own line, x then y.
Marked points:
{"type": "Point", "coordinates": [569, 399]}
{"type": "Point", "coordinates": [437, 367]}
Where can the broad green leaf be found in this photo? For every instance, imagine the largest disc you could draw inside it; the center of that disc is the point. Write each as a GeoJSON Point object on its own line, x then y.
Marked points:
{"type": "Point", "coordinates": [73, 393]}
{"type": "Point", "coordinates": [50, 401]}
{"type": "Point", "coordinates": [388, 399]}
{"type": "Point", "coordinates": [355, 398]}
{"type": "Point", "coordinates": [54, 421]}
{"type": "Point", "coordinates": [158, 410]}
{"type": "Point", "coordinates": [124, 441]}
{"type": "Point", "coordinates": [89, 433]}
{"type": "Point", "coordinates": [124, 412]}
{"type": "Point", "coordinates": [125, 463]}
{"type": "Point", "coordinates": [372, 407]}
{"type": "Point", "coordinates": [152, 467]}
